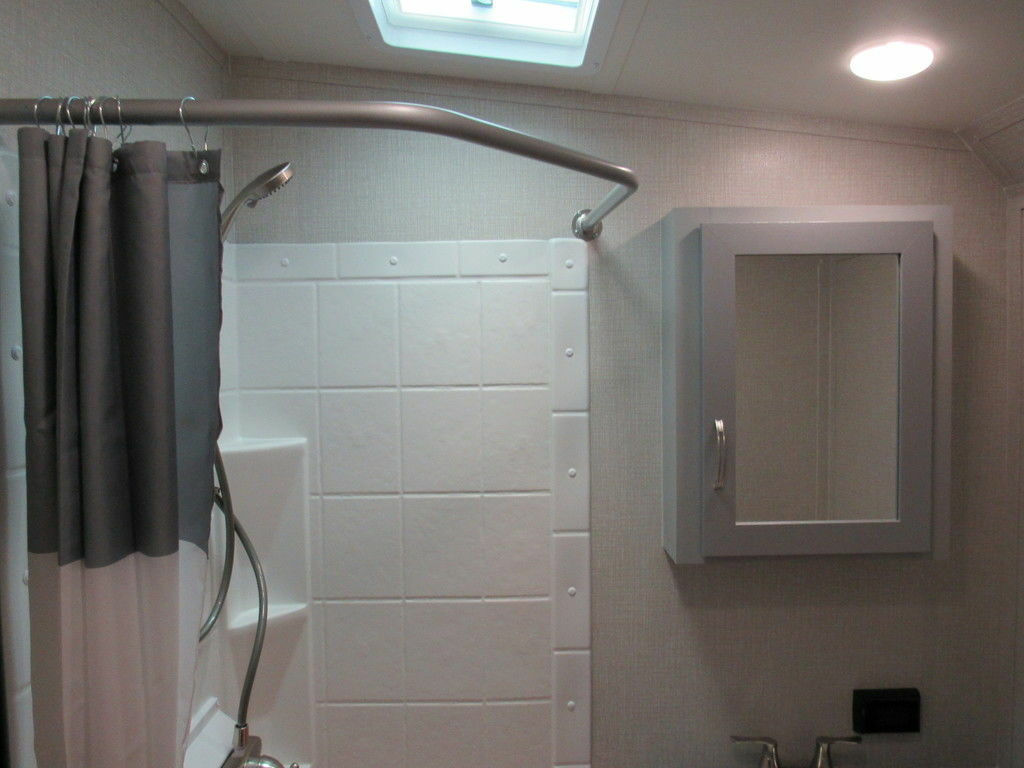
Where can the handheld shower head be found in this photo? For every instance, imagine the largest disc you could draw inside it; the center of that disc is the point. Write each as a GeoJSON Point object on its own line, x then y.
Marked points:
{"type": "Point", "coordinates": [260, 188]}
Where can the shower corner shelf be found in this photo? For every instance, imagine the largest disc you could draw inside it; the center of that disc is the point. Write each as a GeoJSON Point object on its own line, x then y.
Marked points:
{"type": "Point", "coordinates": [243, 444]}
{"type": "Point", "coordinates": [279, 613]}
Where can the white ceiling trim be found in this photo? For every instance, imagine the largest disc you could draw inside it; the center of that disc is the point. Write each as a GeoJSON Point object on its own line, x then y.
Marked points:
{"type": "Point", "coordinates": [998, 139]}
{"type": "Point", "coordinates": [433, 87]}
{"type": "Point", "coordinates": [620, 47]}
{"type": "Point", "coordinates": [194, 29]}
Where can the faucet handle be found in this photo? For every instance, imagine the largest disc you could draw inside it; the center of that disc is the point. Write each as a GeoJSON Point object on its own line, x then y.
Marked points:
{"type": "Point", "coordinates": [769, 753]}
{"type": "Point", "coordinates": [823, 751]}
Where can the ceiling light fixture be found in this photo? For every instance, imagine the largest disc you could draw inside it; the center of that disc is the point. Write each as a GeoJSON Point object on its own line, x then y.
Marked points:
{"type": "Point", "coordinates": [894, 60]}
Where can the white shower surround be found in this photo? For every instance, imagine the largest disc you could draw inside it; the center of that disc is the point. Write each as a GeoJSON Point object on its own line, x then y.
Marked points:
{"type": "Point", "coordinates": [13, 499]}
{"type": "Point", "coordinates": [443, 389]}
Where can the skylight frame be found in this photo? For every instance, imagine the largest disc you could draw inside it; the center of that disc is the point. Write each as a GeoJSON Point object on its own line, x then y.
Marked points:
{"type": "Point", "coordinates": [384, 23]}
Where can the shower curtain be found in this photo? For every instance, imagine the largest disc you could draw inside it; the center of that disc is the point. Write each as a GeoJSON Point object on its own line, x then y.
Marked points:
{"type": "Point", "coordinates": [120, 293]}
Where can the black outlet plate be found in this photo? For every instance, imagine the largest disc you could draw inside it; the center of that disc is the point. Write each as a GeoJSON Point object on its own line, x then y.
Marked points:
{"type": "Point", "coordinates": [887, 710]}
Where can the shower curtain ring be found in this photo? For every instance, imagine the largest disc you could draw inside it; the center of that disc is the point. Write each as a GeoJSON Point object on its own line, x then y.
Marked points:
{"type": "Point", "coordinates": [184, 123]}
{"type": "Point", "coordinates": [67, 107]}
{"type": "Point", "coordinates": [123, 136]}
{"type": "Point", "coordinates": [103, 122]}
{"type": "Point", "coordinates": [204, 165]}
{"type": "Point", "coordinates": [35, 109]}
{"type": "Point", "coordinates": [87, 115]}
{"type": "Point", "coordinates": [99, 113]}
{"type": "Point", "coordinates": [58, 119]}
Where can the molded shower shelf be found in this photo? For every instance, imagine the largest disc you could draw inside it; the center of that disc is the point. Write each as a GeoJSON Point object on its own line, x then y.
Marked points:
{"type": "Point", "coordinates": [259, 444]}
{"type": "Point", "coordinates": [270, 489]}
{"type": "Point", "coordinates": [279, 613]}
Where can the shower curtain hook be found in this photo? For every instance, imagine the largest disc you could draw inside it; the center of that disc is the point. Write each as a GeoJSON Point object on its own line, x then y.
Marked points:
{"type": "Point", "coordinates": [58, 119]}
{"type": "Point", "coordinates": [184, 124]}
{"type": "Point", "coordinates": [90, 127]}
{"type": "Point", "coordinates": [67, 106]}
{"type": "Point", "coordinates": [35, 109]}
{"type": "Point", "coordinates": [99, 113]}
{"type": "Point", "coordinates": [122, 135]}
{"type": "Point", "coordinates": [204, 165]}
{"type": "Point", "coordinates": [103, 121]}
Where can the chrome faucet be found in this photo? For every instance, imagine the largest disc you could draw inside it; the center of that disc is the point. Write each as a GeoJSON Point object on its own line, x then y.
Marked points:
{"type": "Point", "coordinates": [769, 751]}
{"type": "Point", "coordinates": [823, 751]}
{"type": "Point", "coordinates": [266, 761]}
{"type": "Point", "coordinates": [251, 756]}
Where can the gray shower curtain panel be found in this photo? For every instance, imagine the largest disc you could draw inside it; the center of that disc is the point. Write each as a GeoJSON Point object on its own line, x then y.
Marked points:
{"type": "Point", "coordinates": [120, 294]}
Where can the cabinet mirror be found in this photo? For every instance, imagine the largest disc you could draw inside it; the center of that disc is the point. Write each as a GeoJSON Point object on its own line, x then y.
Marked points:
{"type": "Point", "coordinates": [806, 382]}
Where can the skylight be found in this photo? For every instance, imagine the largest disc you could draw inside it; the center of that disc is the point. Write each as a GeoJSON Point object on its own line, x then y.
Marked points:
{"type": "Point", "coordinates": [554, 32]}
{"type": "Point", "coordinates": [492, 16]}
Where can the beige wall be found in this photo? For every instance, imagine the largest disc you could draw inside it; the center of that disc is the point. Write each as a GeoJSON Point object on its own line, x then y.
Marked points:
{"type": "Point", "coordinates": [685, 656]}
{"type": "Point", "coordinates": [140, 48]}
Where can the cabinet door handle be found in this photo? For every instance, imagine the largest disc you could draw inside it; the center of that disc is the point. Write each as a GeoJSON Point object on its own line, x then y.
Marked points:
{"type": "Point", "coordinates": [720, 443]}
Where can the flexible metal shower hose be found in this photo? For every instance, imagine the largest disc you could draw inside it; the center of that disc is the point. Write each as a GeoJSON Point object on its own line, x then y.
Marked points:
{"type": "Point", "coordinates": [222, 498]}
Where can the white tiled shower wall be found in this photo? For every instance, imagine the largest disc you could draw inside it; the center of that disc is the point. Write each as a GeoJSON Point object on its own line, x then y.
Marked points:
{"type": "Point", "coordinates": [443, 389]}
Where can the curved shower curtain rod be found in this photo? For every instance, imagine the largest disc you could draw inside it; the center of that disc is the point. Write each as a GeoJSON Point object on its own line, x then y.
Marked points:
{"type": "Point", "coordinates": [586, 224]}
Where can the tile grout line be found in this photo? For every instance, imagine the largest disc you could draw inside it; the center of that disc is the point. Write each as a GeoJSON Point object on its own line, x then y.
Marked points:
{"type": "Point", "coordinates": [401, 511]}
{"type": "Point", "coordinates": [321, 614]}
{"type": "Point", "coordinates": [480, 413]}
{"type": "Point", "coordinates": [418, 600]}
{"type": "Point", "coordinates": [435, 494]}
{"type": "Point", "coordinates": [552, 560]}
{"type": "Point", "coordinates": [413, 703]}
{"type": "Point", "coordinates": [523, 386]}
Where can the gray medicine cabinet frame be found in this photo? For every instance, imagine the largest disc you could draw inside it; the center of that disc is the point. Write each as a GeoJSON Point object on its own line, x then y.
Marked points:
{"type": "Point", "coordinates": [698, 249]}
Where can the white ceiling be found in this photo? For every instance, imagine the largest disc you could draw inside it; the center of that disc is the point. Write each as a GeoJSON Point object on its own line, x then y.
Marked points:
{"type": "Point", "coordinates": [788, 55]}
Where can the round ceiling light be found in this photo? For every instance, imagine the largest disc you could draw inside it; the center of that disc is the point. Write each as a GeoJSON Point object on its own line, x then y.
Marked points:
{"type": "Point", "coordinates": [894, 60]}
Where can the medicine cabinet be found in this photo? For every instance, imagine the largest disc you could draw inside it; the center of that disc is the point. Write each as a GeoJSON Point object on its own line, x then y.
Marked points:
{"type": "Point", "coordinates": [806, 362]}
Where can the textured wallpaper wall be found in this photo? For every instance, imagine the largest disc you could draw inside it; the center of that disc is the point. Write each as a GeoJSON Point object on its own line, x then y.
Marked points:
{"type": "Point", "coordinates": [685, 656]}
{"type": "Point", "coordinates": [127, 48]}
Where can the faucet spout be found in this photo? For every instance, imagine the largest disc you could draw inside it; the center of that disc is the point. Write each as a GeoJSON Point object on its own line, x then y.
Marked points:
{"type": "Point", "coordinates": [823, 749]}
{"type": "Point", "coordinates": [769, 750]}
